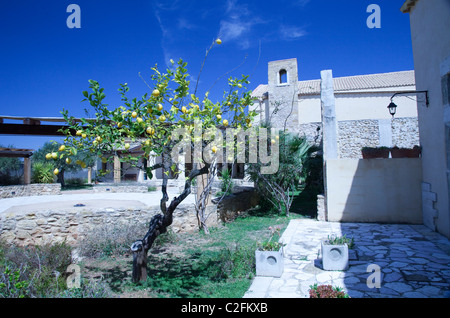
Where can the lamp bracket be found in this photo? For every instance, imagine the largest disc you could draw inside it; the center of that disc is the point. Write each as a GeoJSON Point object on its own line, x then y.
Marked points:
{"type": "Point", "coordinates": [413, 92]}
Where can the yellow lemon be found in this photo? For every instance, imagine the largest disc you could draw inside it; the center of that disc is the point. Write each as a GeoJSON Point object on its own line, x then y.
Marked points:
{"type": "Point", "coordinates": [156, 93]}
{"type": "Point", "coordinates": [160, 107]}
{"type": "Point", "coordinates": [62, 148]}
{"type": "Point", "coordinates": [54, 155]}
{"type": "Point", "coordinates": [184, 110]}
{"type": "Point", "coordinates": [150, 130]}
{"type": "Point", "coordinates": [48, 156]}
{"type": "Point", "coordinates": [83, 165]}
{"type": "Point", "coordinates": [139, 120]}
{"type": "Point", "coordinates": [127, 146]}
{"type": "Point", "coordinates": [83, 136]}
{"type": "Point", "coordinates": [56, 171]}
{"type": "Point", "coordinates": [225, 122]}
{"type": "Point", "coordinates": [134, 114]}
{"type": "Point", "coordinates": [119, 124]}
{"type": "Point", "coordinates": [219, 41]}
{"type": "Point", "coordinates": [219, 117]}
{"type": "Point", "coordinates": [79, 132]}
{"type": "Point", "coordinates": [68, 161]}
{"type": "Point", "coordinates": [162, 118]}
{"type": "Point", "coordinates": [214, 149]}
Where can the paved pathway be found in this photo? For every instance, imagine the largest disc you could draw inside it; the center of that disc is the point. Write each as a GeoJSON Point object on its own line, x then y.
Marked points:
{"type": "Point", "coordinates": [90, 198]}
{"type": "Point", "coordinates": [414, 262]}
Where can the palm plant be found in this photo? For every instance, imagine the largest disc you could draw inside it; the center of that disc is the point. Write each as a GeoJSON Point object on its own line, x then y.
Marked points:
{"type": "Point", "coordinates": [42, 172]}
{"type": "Point", "coordinates": [279, 189]}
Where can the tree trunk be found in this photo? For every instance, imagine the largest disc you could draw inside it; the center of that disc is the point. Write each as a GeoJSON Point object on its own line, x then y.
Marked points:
{"type": "Point", "coordinates": [158, 225]}
{"type": "Point", "coordinates": [60, 178]}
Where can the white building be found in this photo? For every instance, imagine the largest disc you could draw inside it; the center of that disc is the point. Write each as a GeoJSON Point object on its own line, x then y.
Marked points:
{"type": "Point", "coordinates": [361, 107]}
{"type": "Point", "coordinates": [430, 25]}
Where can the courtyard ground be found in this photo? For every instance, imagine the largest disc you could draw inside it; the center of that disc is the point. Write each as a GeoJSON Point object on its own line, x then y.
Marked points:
{"type": "Point", "coordinates": [414, 261]}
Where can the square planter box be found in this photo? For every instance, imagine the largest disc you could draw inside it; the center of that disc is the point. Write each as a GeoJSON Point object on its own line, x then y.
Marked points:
{"type": "Point", "coordinates": [334, 257]}
{"type": "Point", "coordinates": [269, 263]}
{"type": "Point", "coordinates": [373, 153]}
{"type": "Point", "coordinates": [405, 152]}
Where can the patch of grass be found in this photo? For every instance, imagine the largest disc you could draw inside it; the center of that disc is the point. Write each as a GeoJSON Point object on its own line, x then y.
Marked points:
{"type": "Point", "coordinates": [190, 265]}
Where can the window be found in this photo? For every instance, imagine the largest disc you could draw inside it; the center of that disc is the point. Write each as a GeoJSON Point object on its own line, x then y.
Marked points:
{"type": "Point", "coordinates": [446, 89]}
{"type": "Point", "coordinates": [283, 77]}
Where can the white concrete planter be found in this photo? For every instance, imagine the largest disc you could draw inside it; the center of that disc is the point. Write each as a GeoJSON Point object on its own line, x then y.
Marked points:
{"type": "Point", "coordinates": [269, 263]}
{"type": "Point", "coordinates": [334, 257]}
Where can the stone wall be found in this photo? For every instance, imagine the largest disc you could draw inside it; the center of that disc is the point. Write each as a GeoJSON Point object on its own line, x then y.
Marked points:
{"type": "Point", "coordinates": [231, 205]}
{"type": "Point", "coordinates": [29, 190]}
{"type": "Point", "coordinates": [355, 134]}
{"type": "Point", "coordinates": [405, 132]}
{"type": "Point", "coordinates": [40, 227]}
{"type": "Point", "coordinates": [312, 132]}
{"type": "Point", "coordinates": [121, 187]}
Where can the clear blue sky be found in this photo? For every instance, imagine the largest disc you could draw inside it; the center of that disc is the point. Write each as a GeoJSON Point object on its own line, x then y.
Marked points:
{"type": "Point", "coordinates": [44, 65]}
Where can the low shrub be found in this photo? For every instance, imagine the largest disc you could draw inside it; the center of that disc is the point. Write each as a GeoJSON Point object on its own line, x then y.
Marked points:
{"type": "Point", "coordinates": [42, 172]}
{"type": "Point", "coordinates": [35, 271]}
{"type": "Point", "coordinates": [89, 288]}
{"type": "Point", "coordinates": [326, 291]}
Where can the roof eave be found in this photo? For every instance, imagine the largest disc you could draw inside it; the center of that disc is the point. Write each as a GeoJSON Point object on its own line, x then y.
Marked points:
{"type": "Point", "coordinates": [408, 5]}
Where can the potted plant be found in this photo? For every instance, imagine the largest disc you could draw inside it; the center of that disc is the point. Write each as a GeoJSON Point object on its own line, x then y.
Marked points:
{"type": "Point", "coordinates": [335, 253]}
{"type": "Point", "coordinates": [269, 256]}
{"type": "Point", "coordinates": [414, 152]}
{"type": "Point", "coordinates": [375, 152]}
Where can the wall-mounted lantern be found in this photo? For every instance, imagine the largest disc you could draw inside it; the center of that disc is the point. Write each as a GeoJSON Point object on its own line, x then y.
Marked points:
{"type": "Point", "coordinates": [393, 108]}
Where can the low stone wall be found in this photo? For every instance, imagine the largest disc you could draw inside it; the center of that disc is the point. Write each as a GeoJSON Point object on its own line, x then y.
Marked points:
{"type": "Point", "coordinates": [231, 205]}
{"type": "Point", "coordinates": [321, 213]}
{"type": "Point", "coordinates": [121, 187]}
{"type": "Point", "coordinates": [40, 227]}
{"type": "Point", "coordinates": [29, 190]}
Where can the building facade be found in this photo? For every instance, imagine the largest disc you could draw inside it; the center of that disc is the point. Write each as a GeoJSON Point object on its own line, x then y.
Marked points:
{"type": "Point", "coordinates": [430, 25]}
{"type": "Point", "coordinates": [361, 107]}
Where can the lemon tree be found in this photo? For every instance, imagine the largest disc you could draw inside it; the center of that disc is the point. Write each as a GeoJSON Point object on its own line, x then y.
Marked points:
{"type": "Point", "coordinates": [150, 121]}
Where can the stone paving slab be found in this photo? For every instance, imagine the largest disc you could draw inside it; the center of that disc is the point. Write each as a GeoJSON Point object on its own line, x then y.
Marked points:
{"type": "Point", "coordinates": [413, 262]}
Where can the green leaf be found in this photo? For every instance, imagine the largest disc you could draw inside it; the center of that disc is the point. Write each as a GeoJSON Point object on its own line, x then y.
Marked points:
{"type": "Point", "coordinates": [85, 93]}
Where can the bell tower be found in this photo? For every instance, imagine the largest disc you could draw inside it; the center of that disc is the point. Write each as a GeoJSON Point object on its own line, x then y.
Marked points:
{"type": "Point", "coordinates": [283, 94]}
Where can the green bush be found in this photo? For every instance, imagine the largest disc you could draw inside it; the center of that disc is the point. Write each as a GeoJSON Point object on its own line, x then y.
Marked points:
{"type": "Point", "coordinates": [232, 262]}
{"type": "Point", "coordinates": [226, 183]}
{"type": "Point", "coordinates": [42, 172]}
{"type": "Point", "coordinates": [89, 289]}
{"type": "Point", "coordinates": [75, 182]}
{"type": "Point", "coordinates": [33, 271]}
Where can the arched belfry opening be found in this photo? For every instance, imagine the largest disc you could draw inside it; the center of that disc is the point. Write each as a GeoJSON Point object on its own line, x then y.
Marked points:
{"type": "Point", "coordinates": [283, 78]}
